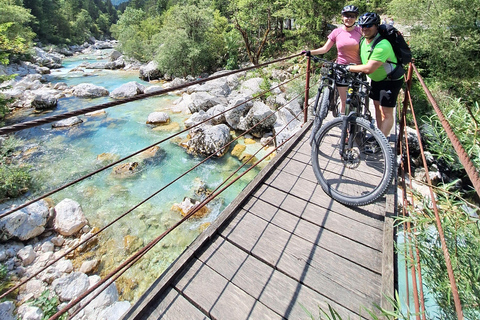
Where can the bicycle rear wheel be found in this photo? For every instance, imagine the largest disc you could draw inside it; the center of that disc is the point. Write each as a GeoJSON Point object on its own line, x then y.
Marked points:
{"type": "Point", "coordinates": [362, 174]}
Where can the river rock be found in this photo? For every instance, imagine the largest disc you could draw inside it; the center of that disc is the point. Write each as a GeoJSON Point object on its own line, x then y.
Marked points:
{"type": "Point", "coordinates": [6, 310]}
{"type": "Point", "coordinates": [69, 217]}
{"type": "Point", "coordinates": [88, 90]}
{"type": "Point", "coordinates": [238, 106]}
{"type": "Point", "coordinates": [157, 118]}
{"type": "Point", "coordinates": [202, 101]}
{"type": "Point", "coordinates": [115, 311]}
{"type": "Point", "coordinates": [125, 169]}
{"type": "Point", "coordinates": [150, 71]}
{"type": "Point", "coordinates": [27, 255]}
{"type": "Point", "coordinates": [71, 286]}
{"type": "Point", "coordinates": [196, 118]}
{"type": "Point", "coordinates": [114, 55]}
{"type": "Point", "coordinates": [30, 312]}
{"type": "Point", "coordinates": [260, 119]}
{"type": "Point", "coordinates": [128, 90]}
{"type": "Point", "coordinates": [251, 87]}
{"type": "Point", "coordinates": [67, 122]}
{"type": "Point", "coordinates": [153, 89]}
{"type": "Point", "coordinates": [45, 100]}
{"type": "Point", "coordinates": [216, 87]}
{"type": "Point", "coordinates": [51, 60]}
{"type": "Point", "coordinates": [206, 140]}
{"type": "Point", "coordinates": [25, 223]}
{"type": "Point", "coordinates": [218, 113]}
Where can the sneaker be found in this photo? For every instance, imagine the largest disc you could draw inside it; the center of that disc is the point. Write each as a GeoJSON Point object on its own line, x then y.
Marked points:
{"type": "Point", "coordinates": [371, 147]}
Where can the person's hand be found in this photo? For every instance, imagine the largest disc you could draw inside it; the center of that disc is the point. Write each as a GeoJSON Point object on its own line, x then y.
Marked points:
{"type": "Point", "coordinates": [306, 53]}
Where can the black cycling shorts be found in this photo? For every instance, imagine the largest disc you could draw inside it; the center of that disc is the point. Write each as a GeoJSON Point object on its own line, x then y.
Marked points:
{"type": "Point", "coordinates": [386, 91]}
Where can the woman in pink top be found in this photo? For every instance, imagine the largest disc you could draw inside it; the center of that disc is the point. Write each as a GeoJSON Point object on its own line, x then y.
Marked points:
{"type": "Point", "coordinates": [347, 39]}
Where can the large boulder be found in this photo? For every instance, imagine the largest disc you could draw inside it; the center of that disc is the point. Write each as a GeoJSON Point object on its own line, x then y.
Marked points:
{"type": "Point", "coordinates": [150, 71]}
{"type": "Point", "coordinates": [202, 101]}
{"type": "Point", "coordinates": [238, 106]}
{"type": "Point", "coordinates": [206, 140]}
{"type": "Point", "coordinates": [50, 60]}
{"type": "Point", "coordinates": [260, 119]}
{"type": "Point", "coordinates": [88, 90]}
{"type": "Point", "coordinates": [128, 90]}
{"type": "Point", "coordinates": [69, 217]}
{"type": "Point", "coordinates": [25, 223]}
{"type": "Point", "coordinates": [71, 286]}
{"type": "Point", "coordinates": [45, 100]}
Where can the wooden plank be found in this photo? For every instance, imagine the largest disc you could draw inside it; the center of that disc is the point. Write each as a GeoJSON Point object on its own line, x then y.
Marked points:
{"type": "Point", "coordinates": [274, 289]}
{"type": "Point", "coordinates": [323, 200]}
{"type": "Point", "coordinates": [354, 230]}
{"type": "Point", "coordinates": [325, 272]}
{"type": "Point", "coordinates": [173, 306]}
{"type": "Point", "coordinates": [284, 181]}
{"type": "Point", "coordinates": [388, 259]}
{"type": "Point", "coordinates": [349, 239]}
{"type": "Point", "coordinates": [218, 297]}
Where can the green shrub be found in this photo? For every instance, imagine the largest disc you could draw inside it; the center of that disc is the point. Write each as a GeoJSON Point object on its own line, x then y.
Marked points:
{"type": "Point", "coordinates": [49, 305]}
{"type": "Point", "coordinates": [16, 179]}
{"type": "Point", "coordinates": [462, 236]}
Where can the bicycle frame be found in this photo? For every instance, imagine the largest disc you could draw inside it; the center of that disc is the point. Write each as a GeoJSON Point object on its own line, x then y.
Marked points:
{"type": "Point", "coordinates": [357, 99]}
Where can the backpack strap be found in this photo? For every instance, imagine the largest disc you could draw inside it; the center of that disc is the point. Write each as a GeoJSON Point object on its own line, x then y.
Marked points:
{"type": "Point", "coordinates": [374, 43]}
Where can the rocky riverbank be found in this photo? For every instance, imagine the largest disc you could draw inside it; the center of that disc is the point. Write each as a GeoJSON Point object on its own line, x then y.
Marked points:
{"type": "Point", "coordinates": [43, 232]}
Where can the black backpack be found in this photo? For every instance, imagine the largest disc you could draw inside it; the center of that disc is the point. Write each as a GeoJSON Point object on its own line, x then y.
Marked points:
{"type": "Point", "coordinates": [399, 45]}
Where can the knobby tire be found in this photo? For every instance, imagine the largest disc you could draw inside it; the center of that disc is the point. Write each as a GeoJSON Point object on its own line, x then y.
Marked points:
{"type": "Point", "coordinates": [359, 178]}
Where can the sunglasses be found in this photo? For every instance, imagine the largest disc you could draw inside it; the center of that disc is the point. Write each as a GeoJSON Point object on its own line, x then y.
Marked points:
{"type": "Point", "coordinates": [350, 16]}
{"type": "Point", "coordinates": [366, 26]}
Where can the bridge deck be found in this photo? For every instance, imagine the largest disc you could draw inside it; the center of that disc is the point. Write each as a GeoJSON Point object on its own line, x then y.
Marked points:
{"type": "Point", "coordinates": [281, 250]}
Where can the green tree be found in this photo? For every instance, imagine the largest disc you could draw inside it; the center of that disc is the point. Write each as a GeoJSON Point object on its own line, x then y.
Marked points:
{"type": "Point", "coordinates": [253, 19]}
{"type": "Point", "coordinates": [191, 40]}
{"type": "Point", "coordinates": [136, 34]}
{"type": "Point", "coordinates": [445, 35]}
{"type": "Point", "coordinates": [15, 34]}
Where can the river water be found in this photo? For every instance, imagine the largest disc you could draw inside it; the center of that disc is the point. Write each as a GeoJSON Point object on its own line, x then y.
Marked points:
{"type": "Point", "coordinates": [58, 156]}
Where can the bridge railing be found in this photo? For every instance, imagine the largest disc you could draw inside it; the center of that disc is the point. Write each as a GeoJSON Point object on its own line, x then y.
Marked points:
{"type": "Point", "coordinates": [79, 303]}
{"type": "Point", "coordinates": [412, 254]}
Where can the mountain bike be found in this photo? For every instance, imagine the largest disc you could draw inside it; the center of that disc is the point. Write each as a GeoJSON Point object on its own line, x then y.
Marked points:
{"type": "Point", "coordinates": [327, 97]}
{"type": "Point", "coordinates": [351, 158]}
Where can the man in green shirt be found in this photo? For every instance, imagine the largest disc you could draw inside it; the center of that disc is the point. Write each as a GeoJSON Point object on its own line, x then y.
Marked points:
{"type": "Point", "coordinates": [379, 65]}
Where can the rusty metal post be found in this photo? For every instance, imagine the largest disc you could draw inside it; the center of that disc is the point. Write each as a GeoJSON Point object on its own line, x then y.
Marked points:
{"type": "Point", "coordinates": [307, 88]}
{"type": "Point", "coordinates": [403, 117]}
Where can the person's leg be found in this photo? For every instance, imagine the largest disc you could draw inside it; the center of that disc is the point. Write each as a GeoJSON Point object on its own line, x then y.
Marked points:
{"type": "Point", "coordinates": [388, 120]}
{"type": "Point", "coordinates": [378, 113]}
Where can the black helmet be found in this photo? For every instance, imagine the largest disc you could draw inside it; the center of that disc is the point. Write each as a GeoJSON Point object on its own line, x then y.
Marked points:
{"type": "Point", "coordinates": [368, 18]}
{"type": "Point", "coordinates": [351, 9]}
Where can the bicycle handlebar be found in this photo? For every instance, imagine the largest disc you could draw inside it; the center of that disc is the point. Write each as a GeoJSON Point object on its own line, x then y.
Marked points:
{"type": "Point", "coordinates": [355, 77]}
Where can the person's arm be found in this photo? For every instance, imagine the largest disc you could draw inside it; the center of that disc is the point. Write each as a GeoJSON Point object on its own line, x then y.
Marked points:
{"type": "Point", "coordinates": [326, 47]}
{"type": "Point", "coordinates": [367, 68]}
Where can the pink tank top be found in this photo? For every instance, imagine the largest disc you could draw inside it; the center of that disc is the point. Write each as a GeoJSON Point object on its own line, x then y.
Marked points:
{"type": "Point", "coordinates": [347, 45]}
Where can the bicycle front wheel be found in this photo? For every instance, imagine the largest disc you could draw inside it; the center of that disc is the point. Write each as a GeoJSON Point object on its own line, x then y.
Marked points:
{"type": "Point", "coordinates": [322, 101]}
{"type": "Point", "coordinates": [360, 174]}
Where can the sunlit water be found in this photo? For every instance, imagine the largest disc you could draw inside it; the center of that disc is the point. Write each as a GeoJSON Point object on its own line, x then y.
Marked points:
{"type": "Point", "coordinates": [59, 156]}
